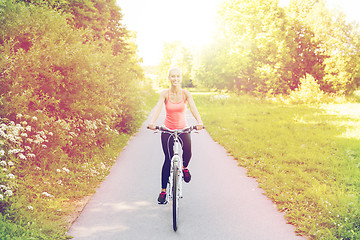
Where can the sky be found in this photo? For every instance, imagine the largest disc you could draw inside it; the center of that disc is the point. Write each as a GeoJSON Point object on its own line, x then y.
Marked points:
{"type": "Point", "coordinates": [159, 21]}
{"type": "Point", "coordinates": [349, 7]}
{"type": "Point", "coordinates": [189, 21]}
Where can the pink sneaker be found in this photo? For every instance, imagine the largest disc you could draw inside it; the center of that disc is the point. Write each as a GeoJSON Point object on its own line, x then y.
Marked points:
{"type": "Point", "coordinates": [187, 175]}
{"type": "Point", "coordinates": [162, 198]}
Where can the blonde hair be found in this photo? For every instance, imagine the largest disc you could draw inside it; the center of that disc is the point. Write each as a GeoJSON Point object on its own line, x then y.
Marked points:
{"type": "Point", "coordinates": [172, 69]}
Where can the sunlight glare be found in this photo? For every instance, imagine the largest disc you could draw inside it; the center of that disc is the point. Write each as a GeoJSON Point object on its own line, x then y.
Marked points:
{"type": "Point", "coordinates": [156, 22]}
{"type": "Point", "coordinates": [188, 21]}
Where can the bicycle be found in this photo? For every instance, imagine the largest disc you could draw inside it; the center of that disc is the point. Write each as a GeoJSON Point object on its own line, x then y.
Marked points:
{"type": "Point", "coordinates": [174, 188]}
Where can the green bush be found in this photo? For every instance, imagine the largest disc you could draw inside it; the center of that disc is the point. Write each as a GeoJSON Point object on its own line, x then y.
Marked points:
{"type": "Point", "coordinates": [308, 92]}
{"type": "Point", "coordinates": [69, 99]}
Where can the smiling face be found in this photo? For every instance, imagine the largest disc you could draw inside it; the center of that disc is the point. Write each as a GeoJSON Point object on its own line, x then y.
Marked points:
{"type": "Point", "coordinates": [175, 77]}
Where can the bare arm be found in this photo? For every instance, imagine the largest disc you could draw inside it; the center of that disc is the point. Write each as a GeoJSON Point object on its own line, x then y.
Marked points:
{"type": "Point", "coordinates": [194, 110]}
{"type": "Point", "coordinates": [157, 110]}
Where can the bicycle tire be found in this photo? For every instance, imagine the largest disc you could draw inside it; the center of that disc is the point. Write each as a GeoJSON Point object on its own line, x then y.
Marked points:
{"type": "Point", "coordinates": [175, 198]}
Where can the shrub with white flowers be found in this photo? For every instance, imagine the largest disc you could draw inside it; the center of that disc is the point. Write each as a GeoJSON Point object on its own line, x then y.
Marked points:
{"type": "Point", "coordinates": [17, 141]}
{"type": "Point", "coordinates": [23, 143]}
{"type": "Point", "coordinates": [9, 137]}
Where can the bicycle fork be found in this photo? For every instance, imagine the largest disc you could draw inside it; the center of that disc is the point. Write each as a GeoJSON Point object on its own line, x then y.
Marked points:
{"type": "Point", "coordinates": [176, 160]}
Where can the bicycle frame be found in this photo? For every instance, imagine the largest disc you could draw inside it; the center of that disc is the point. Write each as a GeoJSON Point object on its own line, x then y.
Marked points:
{"type": "Point", "coordinates": [176, 173]}
{"type": "Point", "coordinates": [175, 160]}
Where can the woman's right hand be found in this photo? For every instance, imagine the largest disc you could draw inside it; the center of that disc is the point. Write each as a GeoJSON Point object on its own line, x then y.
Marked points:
{"type": "Point", "coordinates": [152, 126]}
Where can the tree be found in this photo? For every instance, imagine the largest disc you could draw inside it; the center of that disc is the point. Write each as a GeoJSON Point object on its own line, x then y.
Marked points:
{"type": "Point", "coordinates": [263, 48]}
{"type": "Point", "coordinates": [175, 54]}
{"type": "Point", "coordinates": [214, 67]}
{"type": "Point", "coordinates": [257, 31]}
{"type": "Point", "coordinates": [333, 45]}
{"type": "Point", "coordinates": [308, 58]}
{"type": "Point", "coordinates": [103, 18]}
{"type": "Point", "coordinates": [48, 66]}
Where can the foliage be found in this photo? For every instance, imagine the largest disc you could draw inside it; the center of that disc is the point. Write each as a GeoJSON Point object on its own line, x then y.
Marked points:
{"type": "Point", "coordinates": [306, 158]}
{"type": "Point", "coordinates": [102, 18]}
{"type": "Point", "coordinates": [256, 37]}
{"type": "Point", "coordinates": [215, 67]}
{"type": "Point", "coordinates": [263, 49]}
{"type": "Point", "coordinates": [44, 183]}
{"type": "Point", "coordinates": [308, 92]}
{"type": "Point", "coordinates": [307, 59]}
{"type": "Point", "coordinates": [340, 60]}
{"type": "Point", "coordinates": [37, 199]}
{"type": "Point", "coordinates": [175, 54]}
{"type": "Point", "coordinates": [71, 94]}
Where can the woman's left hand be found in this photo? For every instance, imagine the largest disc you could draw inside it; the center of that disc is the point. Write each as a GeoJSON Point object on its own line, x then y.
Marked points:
{"type": "Point", "coordinates": [199, 126]}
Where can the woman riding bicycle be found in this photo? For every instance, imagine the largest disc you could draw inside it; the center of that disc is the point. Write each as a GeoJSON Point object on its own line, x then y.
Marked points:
{"type": "Point", "coordinates": [175, 100]}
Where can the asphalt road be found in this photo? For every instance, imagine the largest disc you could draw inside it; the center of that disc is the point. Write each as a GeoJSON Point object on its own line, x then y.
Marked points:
{"type": "Point", "coordinates": [220, 202]}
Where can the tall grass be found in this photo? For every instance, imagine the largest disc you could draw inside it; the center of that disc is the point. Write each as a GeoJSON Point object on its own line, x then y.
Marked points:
{"type": "Point", "coordinates": [305, 157]}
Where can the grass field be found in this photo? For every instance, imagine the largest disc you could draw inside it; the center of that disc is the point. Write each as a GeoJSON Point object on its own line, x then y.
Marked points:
{"type": "Point", "coordinates": [305, 157]}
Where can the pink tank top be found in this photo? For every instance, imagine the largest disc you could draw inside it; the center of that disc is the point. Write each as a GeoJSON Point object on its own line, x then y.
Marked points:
{"type": "Point", "coordinates": [175, 114]}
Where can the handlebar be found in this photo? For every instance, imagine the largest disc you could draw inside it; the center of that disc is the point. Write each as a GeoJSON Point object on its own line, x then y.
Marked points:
{"type": "Point", "coordinates": [184, 130]}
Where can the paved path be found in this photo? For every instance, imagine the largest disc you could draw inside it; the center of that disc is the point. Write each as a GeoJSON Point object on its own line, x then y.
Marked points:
{"type": "Point", "coordinates": [220, 202]}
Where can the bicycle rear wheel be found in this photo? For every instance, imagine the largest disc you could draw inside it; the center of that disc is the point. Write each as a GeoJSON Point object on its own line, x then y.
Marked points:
{"type": "Point", "coordinates": [175, 199]}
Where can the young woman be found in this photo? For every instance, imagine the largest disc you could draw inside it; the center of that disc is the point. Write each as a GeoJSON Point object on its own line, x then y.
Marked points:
{"type": "Point", "coordinates": [175, 100]}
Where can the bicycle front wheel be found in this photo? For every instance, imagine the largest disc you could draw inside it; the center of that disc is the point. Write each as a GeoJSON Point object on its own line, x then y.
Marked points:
{"type": "Point", "coordinates": [175, 199]}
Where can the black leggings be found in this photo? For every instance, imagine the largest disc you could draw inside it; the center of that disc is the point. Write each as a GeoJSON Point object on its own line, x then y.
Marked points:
{"type": "Point", "coordinates": [185, 139]}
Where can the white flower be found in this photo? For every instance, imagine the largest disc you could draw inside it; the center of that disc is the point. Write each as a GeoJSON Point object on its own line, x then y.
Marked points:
{"type": "Point", "coordinates": [1, 197]}
{"type": "Point", "coordinates": [3, 163]}
{"type": "Point", "coordinates": [23, 135]}
{"type": "Point", "coordinates": [19, 115]}
{"type": "Point", "coordinates": [30, 208]}
{"type": "Point", "coordinates": [8, 193]}
{"type": "Point", "coordinates": [11, 176]}
{"type": "Point", "coordinates": [58, 170]}
{"type": "Point", "coordinates": [38, 139]}
{"type": "Point", "coordinates": [34, 118]}
{"type": "Point", "coordinates": [47, 194]}
{"type": "Point", "coordinates": [2, 152]}
{"type": "Point", "coordinates": [14, 151]}
{"type": "Point", "coordinates": [31, 155]}
{"type": "Point", "coordinates": [42, 134]}
{"type": "Point", "coordinates": [22, 156]}
{"type": "Point", "coordinates": [28, 128]}
{"type": "Point", "coordinates": [66, 170]}
{"type": "Point", "coordinates": [10, 163]}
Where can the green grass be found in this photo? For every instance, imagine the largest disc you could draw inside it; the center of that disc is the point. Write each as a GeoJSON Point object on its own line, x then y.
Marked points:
{"type": "Point", "coordinates": [306, 158]}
